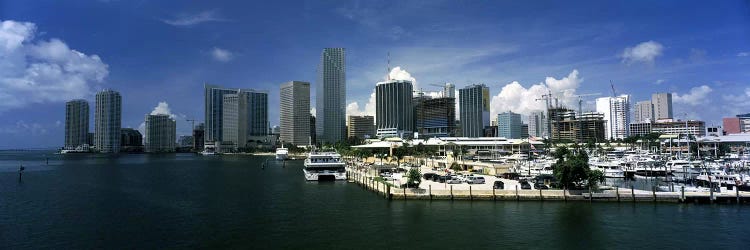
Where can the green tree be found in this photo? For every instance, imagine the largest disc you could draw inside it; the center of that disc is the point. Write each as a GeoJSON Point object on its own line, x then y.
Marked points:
{"type": "Point", "coordinates": [571, 168]}
{"type": "Point", "coordinates": [414, 177]}
{"type": "Point", "coordinates": [594, 178]}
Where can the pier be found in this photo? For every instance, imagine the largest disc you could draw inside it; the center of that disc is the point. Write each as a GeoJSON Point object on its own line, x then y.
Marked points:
{"type": "Point", "coordinates": [369, 181]}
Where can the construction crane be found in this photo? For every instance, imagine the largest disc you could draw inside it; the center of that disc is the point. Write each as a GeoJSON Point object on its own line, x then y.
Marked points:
{"type": "Point", "coordinates": [611, 84]}
{"type": "Point", "coordinates": [547, 98]}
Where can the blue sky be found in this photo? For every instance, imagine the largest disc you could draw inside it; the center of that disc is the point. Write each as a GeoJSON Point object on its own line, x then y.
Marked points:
{"type": "Point", "coordinates": [164, 51]}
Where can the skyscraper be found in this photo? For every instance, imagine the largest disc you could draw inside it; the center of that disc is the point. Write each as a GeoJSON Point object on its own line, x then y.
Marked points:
{"type": "Point", "coordinates": [616, 112]}
{"type": "Point", "coordinates": [449, 90]}
{"type": "Point", "coordinates": [394, 113]}
{"type": "Point", "coordinates": [160, 133]}
{"type": "Point", "coordinates": [214, 106]}
{"type": "Point", "coordinates": [107, 121]}
{"type": "Point", "coordinates": [256, 111]}
{"type": "Point", "coordinates": [662, 105]}
{"type": "Point", "coordinates": [253, 109]}
{"type": "Point", "coordinates": [234, 121]}
{"type": "Point", "coordinates": [330, 100]}
{"type": "Point", "coordinates": [509, 125]}
{"type": "Point", "coordinates": [644, 112]}
{"type": "Point", "coordinates": [76, 123]}
{"type": "Point", "coordinates": [474, 106]}
{"type": "Point", "coordinates": [294, 113]}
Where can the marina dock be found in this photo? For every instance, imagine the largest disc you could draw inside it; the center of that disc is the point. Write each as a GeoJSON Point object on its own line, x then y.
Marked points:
{"type": "Point", "coordinates": [370, 182]}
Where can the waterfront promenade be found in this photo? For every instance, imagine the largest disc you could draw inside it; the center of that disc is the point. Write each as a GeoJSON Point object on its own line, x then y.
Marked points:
{"type": "Point", "coordinates": [429, 190]}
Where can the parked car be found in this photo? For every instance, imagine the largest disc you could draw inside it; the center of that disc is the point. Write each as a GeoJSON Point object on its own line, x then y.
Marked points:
{"type": "Point", "coordinates": [540, 186]}
{"type": "Point", "coordinates": [479, 180]}
{"type": "Point", "coordinates": [453, 180]}
{"type": "Point", "coordinates": [525, 185]}
{"type": "Point", "coordinates": [443, 178]}
{"type": "Point", "coordinates": [498, 185]}
{"type": "Point", "coordinates": [428, 176]}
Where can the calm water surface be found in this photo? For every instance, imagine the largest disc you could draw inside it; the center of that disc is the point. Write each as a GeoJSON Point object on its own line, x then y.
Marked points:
{"type": "Point", "coordinates": [185, 200]}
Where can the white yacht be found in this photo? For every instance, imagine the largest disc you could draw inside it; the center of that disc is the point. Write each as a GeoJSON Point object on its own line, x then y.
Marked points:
{"type": "Point", "coordinates": [324, 166]}
{"type": "Point", "coordinates": [282, 153]}
{"type": "Point", "coordinates": [610, 169]}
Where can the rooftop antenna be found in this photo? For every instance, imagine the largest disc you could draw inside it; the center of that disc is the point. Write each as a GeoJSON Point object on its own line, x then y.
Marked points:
{"type": "Point", "coordinates": [388, 73]}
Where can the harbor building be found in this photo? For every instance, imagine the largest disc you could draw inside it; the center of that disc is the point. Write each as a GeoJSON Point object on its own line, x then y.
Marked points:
{"type": "Point", "coordinates": [474, 106]}
{"type": "Point", "coordinates": [435, 117]}
{"type": "Point", "coordinates": [76, 123]}
{"type": "Point", "coordinates": [680, 128]}
{"type": "Point", "coordinates": [616, 112]}
{"type": "Point", "coordinates": [662, 106]}
{"type": "Point", "coordinates": [294, 113]}
{"type": "Point", "coordinates": [107, 121]}
{"type": "Point", "coordinates": [644, 112]}
{"type": "Point", "coordinates": [394, 109]}
{"type": "Point", "coordinates": [330, 102]}
{"type": "Point", "coordinates": [131, 140]}
{"type": "Point", "coordinates": [160, 134]}
{"type": "Point", "coordinates": [509, 125]}
{"type": "Point", "coordinates": [640, 128]}
{"type": "Point", "coordinates": [361, 126]}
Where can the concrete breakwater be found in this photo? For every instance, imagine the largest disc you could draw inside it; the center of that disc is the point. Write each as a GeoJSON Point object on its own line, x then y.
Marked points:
{"type": "Point", "coordinates": [371, 182]}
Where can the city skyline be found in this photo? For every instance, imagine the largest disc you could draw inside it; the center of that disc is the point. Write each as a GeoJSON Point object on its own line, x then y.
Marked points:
{"type": "Point", "coordinates": [702, 65]}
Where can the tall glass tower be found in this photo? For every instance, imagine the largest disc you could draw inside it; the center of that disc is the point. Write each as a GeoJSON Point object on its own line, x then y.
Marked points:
{"type": "Point", "coordinates": [474, 106]}
{"type": "Point", "coordinates": [108, 121]}
{"type": "Point", "coordinates": [76, 123]}
{"type": "Point", "coordinates": [330, 103]}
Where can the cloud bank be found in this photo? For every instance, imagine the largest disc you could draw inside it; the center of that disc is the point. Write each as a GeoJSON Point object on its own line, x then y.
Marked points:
{"type": "Point", "coordinates": [43, 71]}
{"type": "Point", "coordinates": [696, 96]}
{"type": "Point", "coordinates": [518, 99]}
{"type": "Point", "coordinates": [645, 52]}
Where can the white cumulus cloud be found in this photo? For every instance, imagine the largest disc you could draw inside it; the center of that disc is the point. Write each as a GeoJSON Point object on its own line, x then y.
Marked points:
{"type": "Point", "coordinates": [163, 109]}
{"type": "Point", "coordinates": [42, 71]}
{"type": "Point", "coordinates": [645, 52]}
{"type": "Point", "coordinates": [518, 99]}
{"type": "Point", "coordinates": [221, 55]}
{"type": "Point", "coordinates": [696, 96]}
{"type": "Point", "coordinates": [743, 54]}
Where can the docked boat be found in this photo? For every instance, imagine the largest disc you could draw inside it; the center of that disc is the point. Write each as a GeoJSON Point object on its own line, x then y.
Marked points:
{"type": "Point", "coordinates": [324, 166]}
{"type": "Point", "coordinates": [282, 153]}
{"type": "Point", "coordinates": [610, 169]}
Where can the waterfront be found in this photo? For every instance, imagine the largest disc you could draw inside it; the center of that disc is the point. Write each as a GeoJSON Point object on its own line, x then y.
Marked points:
{"type": "Point", "coordinates": [185, 200]}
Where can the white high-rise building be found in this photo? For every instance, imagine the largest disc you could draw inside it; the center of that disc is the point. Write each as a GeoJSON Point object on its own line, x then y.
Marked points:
{"type": "Point", "coordinates": [662, 105]}
{"type": "Point", "coordinates": [108, 121]}
{"type": "Point", "coordinates": [294, 113]}
{"type": "Point", "coordinates": [330, 103]}
{"type": "Point", "coordinates": [538, 125]}
{"type": "Point", "coordinates": [161, 131]}
{"type": "Point", "coordinates": [616, 112]}
{"type": "Point", "coordinates": [644, 112]}
{"type": "Point", "coordinates": [76, 123]}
